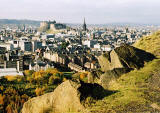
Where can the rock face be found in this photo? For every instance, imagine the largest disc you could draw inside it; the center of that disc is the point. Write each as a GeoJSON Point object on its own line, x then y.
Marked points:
{"type": "Point", "coordinates": [121, 60]}
{"type": "Point", "coordinates": [65, 98]}
{"type": "Point", "coordinates": [124, 57]}
{"type": "Point", "coordinates": [110, 75]}
{"type": "Point", "coordinates": [68, 97]}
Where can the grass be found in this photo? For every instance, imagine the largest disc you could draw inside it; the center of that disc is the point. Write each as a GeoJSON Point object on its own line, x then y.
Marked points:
{"type": "Point", "coordinates": [150, 43]}
{"type": "Point", "coordinates": [131, 88]}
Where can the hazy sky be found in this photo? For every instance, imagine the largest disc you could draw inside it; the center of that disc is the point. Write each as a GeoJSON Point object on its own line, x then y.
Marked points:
{"type": "Point", "coordinates": [73, 11]}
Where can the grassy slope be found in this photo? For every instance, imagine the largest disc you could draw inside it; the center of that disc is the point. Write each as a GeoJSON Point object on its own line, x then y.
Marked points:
{"type": "Point", "coordinates": [131, 93]}
{"type": "Point", "coordinates": [150, 43]}
{"type": "Point", "coordinates": [134, 93]}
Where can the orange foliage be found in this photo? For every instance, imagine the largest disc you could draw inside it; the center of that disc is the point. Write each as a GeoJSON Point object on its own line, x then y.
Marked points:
{"type": "Point", "coordinates": [24, 98]}
{"type": "Point", "coordinates": [9, 109]}
{"type": "Point", "coordinates": [39, 91]}
{"type": "Point", "coordinates": [83, 75]}
{"type": "Point", "coordinates": [2, 97]}
{"type": "Point", "coordinates": [10, 78]}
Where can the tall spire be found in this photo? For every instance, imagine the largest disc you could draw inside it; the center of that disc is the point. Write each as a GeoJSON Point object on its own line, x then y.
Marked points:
{"type": "Point", "coordinates": [84, 25]}
{"type": "Point", "coordinates": [84, 21]}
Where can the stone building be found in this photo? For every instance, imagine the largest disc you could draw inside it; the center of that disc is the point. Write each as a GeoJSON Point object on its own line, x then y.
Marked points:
{"type": "Point", "coordinates": [75, 67]}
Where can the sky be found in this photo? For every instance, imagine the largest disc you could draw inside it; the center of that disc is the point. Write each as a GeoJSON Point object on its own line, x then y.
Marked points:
{"type": "Point", "coordinates": [74, 11]}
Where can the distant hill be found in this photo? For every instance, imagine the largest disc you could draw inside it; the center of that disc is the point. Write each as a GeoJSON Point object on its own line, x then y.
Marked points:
{"type": "Point", "coordinates": [150, 43]}
{"type": "Point", "coordinates": [14, 21]}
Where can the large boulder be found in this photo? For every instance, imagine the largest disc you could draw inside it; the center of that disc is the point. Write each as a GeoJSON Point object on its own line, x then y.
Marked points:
{"type": "Point", "coordinates": [65, 98]}
{"type": "Point", "coordinates": [121, 60]}
{"type": "Point", "coordinates": [124, 57]}
{"type": "Point", "coordinates": [68, 97]}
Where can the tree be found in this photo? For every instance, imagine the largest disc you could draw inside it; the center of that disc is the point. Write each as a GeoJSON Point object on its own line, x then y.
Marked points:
{"type": "Point", "coordinates": [39, 91]}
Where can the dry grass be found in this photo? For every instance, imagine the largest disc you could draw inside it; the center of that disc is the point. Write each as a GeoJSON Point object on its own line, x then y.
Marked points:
{"type": "Point", "coordinates": [131, 88]}
{"type": "Point", "coordinates": [150, 43]}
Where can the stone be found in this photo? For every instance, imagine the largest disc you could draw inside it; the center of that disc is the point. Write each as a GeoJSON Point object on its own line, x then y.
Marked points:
{"type": "Point", "coordinates": [65, 98]}
{"type": "Point", "coordinates": [112, 75]}
{"type": "Point", "coordinates": [124, 57]}
{"type": "Point", "coordinates": [70, 96]}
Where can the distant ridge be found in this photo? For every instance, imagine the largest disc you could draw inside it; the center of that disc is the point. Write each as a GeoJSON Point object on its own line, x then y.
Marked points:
{"type": "Point", "coordinates": [15, 21]}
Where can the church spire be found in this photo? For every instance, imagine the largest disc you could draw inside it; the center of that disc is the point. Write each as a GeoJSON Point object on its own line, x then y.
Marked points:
{"type": "Point", "coordinates": [84, 25]}
{"type": "Point", "coordinates": [84, 21]}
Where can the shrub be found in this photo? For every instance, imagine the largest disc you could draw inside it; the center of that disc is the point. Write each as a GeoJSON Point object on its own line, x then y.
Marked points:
{"type": "Point", "coordinates": [28, 72]}
{"type": "Point", "coordinates": [54, 80]}
{"type": "Point", "coordinates": [83, 75]}
{"type": "Point", "coordinates": [11, 78]}
{"type": "Point", "coordinates": [2, 99]}
{"type": "Point", "coordinates": [39, 91]}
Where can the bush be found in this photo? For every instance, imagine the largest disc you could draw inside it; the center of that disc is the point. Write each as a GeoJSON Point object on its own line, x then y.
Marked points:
{"type": "Point", "coordinates": [28, 72]}
{"type": "Point", "coordinates": [39, 91]}
{"type": "Point", "coordinates": [54, 80]}
{"type": "Point", "coordinates": [83, 75]}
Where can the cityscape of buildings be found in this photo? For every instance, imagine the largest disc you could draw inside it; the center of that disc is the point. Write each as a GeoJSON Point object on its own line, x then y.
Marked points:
{"type": "Point", "coordinates": [24, 47]}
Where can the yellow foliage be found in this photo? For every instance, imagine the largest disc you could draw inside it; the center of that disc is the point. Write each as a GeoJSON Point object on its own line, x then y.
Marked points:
{"type": "Point", "coordinates": [42, 73]}
{"type": "Point", "coordinates": [2, 88]}
{"type": "Point", "coordinates": [11, 78]}
{"type": "Point", "coordinates": [28, 72]}
{"type": "Point", "coordinates": [38, 74]}
{"type": "Point", "coordinates": [39, 91]}
{"type": "Point", "coordinates": [64, 79]}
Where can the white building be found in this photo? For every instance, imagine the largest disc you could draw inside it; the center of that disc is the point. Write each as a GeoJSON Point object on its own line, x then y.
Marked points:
{"type": "Point", "coordinates": [87, 43]}
{"type": "Point", "coordinates": [9, 71]}
{"type": "Point", "coordinates": [15, 43]}
{"type": "Point", "coordinates": [106, 48]}
{"type": "Point", "coordinates": [8, 46]}
{"type": "Point", "coordinates": [37, 66]}
{"type": "Point", "coordinates": [97, 46]}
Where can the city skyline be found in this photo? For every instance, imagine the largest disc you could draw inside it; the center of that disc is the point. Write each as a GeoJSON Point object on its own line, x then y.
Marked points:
{"type": "Point", "coordinates": [71, 11]}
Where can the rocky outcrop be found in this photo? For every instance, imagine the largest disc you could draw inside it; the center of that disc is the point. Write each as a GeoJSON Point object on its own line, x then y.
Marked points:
{"type": "Point", "coordinates": [121, 60]}
{"type": "Point", "coordinates": [67, 97]}
{"type": "Point", "coordinates": [124, 57]}
{"type": "Point", "coordinates": [112, 75]}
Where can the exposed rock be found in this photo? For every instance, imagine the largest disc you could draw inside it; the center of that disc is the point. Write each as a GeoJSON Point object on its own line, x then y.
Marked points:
{"type": "Point", "coordinates": [121, 60]}
{"type": "Point", "coordinates": [111, 75]}
{"type": "Point", "coordinates": [105, 62]}
{"type": "Point", "coordinates": [67, 97]}
{"type": "Point", "coordinates": [124, 57]}
{"type": "Point", "coordinates": [90, 77]}
{"type": "Point", "coordinates": [94, 76]}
